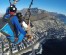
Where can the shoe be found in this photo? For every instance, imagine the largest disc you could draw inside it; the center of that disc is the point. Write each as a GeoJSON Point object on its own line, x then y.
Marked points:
{"type": "Point", "coordinates": [29, 37]}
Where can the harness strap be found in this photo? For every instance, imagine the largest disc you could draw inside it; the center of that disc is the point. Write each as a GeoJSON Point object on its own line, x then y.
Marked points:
{"type": "Point", "coordinates": [11, 25]}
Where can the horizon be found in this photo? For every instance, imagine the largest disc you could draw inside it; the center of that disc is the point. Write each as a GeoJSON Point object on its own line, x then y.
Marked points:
{"type": "Point", "coordinates": [41, 9]}
{"type": "Point", "coordinates": [57, 6]}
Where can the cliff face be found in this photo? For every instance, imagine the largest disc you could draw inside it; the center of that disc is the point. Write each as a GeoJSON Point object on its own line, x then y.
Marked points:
{"type": "Point", "coordinates": [37, 14]}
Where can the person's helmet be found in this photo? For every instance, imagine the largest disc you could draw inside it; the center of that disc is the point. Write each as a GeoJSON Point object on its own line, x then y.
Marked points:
{"type": "Point", "coordinates": [12, 9]}
{"type": "Point", "coordinates": [19, 15]}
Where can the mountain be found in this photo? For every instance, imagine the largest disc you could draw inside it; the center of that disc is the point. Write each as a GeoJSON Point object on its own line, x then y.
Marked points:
{"type": "Point", "coordinates": [62, 17]}
{"type": "Point", "coordinates": [37, 14]}
{"type": "Point", "coordinates": [51, 19]}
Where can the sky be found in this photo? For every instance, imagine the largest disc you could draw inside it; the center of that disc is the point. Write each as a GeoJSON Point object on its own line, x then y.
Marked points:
{"type": "Point", "coordinates": [58, 6]}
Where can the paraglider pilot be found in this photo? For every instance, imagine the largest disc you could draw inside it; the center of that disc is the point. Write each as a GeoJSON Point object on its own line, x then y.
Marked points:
{"type": "Point", "coordinates": [11, 12]}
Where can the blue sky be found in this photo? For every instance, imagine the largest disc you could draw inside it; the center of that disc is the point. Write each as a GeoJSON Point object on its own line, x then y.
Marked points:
{"type": "Point", "coordinates": [58, 6]}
